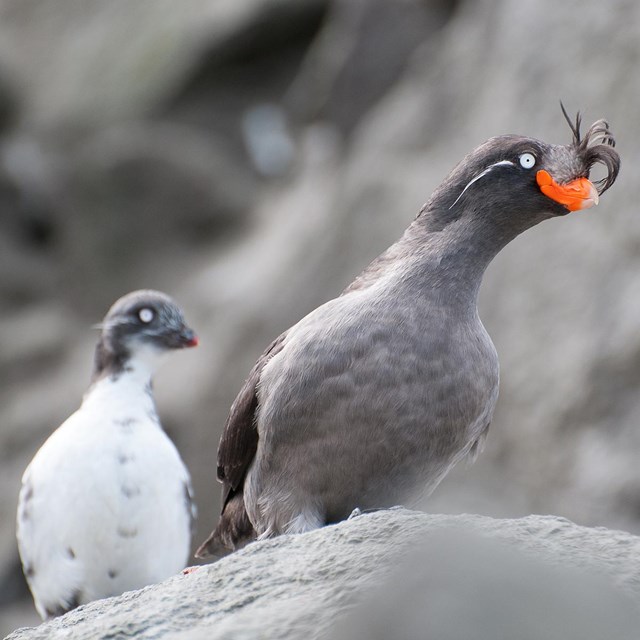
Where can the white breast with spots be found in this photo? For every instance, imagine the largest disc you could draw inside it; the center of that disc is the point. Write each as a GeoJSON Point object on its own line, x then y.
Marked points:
{"type": "Point", "coordinates": [103, 507]}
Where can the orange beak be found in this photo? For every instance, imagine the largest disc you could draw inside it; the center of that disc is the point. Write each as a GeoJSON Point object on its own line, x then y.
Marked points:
{"type": "Point", "coordinates": [575, 195]}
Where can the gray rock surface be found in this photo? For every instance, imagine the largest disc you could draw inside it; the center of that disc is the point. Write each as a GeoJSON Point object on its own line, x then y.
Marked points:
{"type": "Point", "coordinates": [391, 574]}
{"type": "Point", "coordinates": [125, 163]}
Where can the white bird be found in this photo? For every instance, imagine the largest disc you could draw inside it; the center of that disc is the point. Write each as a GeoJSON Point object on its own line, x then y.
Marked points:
{"type": "Point", "coordinates": [106, 503]}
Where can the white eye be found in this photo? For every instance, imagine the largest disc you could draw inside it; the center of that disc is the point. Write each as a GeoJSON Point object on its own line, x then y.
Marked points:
{"type": "Point", "coordinates": [146, 315]}
{"type": "Point", "coordinates": [527, 160]}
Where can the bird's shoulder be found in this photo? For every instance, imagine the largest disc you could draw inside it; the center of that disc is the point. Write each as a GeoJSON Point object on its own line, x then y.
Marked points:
{"type": "Point", "coordinates": [58, 445]}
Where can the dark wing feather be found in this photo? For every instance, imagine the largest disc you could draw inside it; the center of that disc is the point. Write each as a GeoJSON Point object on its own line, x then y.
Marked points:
{"type": "Point", "coordinates": [239, 440]}
{"type": "Point", "coordinates": [236, 451]}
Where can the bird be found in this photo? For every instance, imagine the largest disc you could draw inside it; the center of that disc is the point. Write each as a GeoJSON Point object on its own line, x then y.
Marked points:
{"type": "Point", "coordinates": [106, 504]}
{"type": "Point", "coordinates": [369, 400]}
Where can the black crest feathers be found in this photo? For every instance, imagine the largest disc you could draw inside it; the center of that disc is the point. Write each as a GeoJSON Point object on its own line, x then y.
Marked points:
{"type": "Point", "coordinates": [596, 147]}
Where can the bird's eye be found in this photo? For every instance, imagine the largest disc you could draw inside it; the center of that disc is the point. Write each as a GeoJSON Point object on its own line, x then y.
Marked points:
{"type": "Point", "coordinates": [146, 315]}
{"type": "Point", "coordinates": [527, 160]}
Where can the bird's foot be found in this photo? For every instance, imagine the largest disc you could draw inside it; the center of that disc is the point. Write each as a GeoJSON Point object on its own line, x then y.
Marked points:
{"type": "Point", "coordinates": [360, 512]}
{"type": "Point", "coordinates": [189, 570]}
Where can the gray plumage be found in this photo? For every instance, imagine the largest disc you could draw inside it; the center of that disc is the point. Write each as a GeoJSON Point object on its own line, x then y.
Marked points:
{"type": "Point", "coordinates": [372, 398]}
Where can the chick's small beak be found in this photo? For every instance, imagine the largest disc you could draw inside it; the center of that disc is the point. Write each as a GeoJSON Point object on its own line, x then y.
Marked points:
{"type": "Point", "coordinates": [189, 338]}
{"type": "Point", "coordinates": [575, 195]}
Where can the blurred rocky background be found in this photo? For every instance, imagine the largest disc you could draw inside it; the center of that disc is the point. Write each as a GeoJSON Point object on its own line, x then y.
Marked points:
{"type": "Point", "coordinates": [250, 157]}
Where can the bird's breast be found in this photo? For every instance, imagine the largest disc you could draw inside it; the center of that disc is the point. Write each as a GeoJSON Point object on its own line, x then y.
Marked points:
{"type": "Point", "coordinates": [405, 379]}
{"type": "Point", "coordinates": [367, 402]}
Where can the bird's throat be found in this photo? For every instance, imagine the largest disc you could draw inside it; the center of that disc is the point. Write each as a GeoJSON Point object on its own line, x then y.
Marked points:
{"type": "Point", "coordinates": [448, 262]}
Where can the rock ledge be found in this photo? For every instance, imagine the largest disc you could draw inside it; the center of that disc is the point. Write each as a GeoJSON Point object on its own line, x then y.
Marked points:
{"type": "Point", "coordinates": [394, 573]}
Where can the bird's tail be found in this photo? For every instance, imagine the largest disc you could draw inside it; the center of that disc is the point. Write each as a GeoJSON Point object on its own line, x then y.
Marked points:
{"type": "Point", "coordinates": [233, 532]}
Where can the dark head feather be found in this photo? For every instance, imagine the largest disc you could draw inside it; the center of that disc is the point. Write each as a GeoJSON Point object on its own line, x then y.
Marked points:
{"type": "Point", "coordinates": [597, 147]}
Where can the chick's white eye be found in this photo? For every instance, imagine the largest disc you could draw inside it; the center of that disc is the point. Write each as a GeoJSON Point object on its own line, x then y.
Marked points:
{"type": "Point", "coordinates": [145, 315]}
{"type": "Point", "coordinates": [527, 160]}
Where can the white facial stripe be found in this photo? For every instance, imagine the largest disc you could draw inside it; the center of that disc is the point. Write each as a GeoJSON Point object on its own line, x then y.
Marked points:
{"type": "Point", "coordinates": [502, 163]}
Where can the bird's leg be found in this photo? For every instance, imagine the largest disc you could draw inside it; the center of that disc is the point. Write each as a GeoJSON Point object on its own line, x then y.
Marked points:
{"type": "Point", "coordinates": [306, 520]}
{"type": "Point", "coordinates": [265, 535]}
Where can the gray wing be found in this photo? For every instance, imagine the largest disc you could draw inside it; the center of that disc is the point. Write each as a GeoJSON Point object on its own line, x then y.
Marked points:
{"type": "Point", "coordinates": [238, 446]}
{"type": "Point", "coordinates": [239, 440]}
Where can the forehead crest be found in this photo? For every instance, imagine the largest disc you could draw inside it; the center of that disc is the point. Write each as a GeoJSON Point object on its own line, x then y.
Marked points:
{"type": "Point", "coordinates": [595, 147]}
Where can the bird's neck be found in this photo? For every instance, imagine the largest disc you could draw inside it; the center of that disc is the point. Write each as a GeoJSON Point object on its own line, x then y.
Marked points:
{"type": "Point", "coordinates": [128, 393]}
{"type": "Point", "coordinates": [446, 263]}
{"type": "Point", "coordinates": [137, 365]}
{"type": "Point", "coordinates": [121, 383]}
{"type": "Point", "coordinates": [122, 380]}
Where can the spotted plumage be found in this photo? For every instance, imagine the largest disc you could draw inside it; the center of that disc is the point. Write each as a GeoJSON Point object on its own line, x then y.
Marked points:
{"type": "Point", "coordinates": [106, 503]}
{"type": "Point", "coordinates": [373, 397]}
